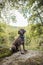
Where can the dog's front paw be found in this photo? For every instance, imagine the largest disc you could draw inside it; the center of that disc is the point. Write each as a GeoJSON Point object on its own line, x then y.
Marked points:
{"type": "Point", "coordinates": [22, 52]}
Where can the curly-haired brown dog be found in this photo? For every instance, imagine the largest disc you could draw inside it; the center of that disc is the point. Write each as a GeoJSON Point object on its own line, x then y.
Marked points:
{"type": "Point", "coordinates": [19, 41]}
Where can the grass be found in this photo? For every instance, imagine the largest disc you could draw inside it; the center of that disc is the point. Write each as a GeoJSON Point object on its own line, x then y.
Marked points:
{"type": "Point", "coordinates": [34, 48]}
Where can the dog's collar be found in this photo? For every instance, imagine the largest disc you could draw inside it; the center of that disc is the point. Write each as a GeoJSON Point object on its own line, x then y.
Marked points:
{"type": "Point", "coordinates": [22, 37]}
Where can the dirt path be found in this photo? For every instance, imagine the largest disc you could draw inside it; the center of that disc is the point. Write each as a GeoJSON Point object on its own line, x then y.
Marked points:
{"type": "Point", "coordinates": [21, 59]}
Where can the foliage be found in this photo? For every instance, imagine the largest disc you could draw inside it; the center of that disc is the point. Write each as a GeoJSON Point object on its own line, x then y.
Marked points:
{"type": "Point", "coordinates": [34, 36]}
{"type": "Point", "coordinates": [24, 6]}
{"type": "Point", "coordinates": [7, 34]}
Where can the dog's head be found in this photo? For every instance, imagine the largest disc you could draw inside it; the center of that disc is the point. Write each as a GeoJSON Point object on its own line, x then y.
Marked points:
{"type": "Point", "coordinates": [21, 31]}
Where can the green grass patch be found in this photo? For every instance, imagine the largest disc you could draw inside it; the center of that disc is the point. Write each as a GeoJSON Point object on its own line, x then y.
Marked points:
{"type": "Point", "coordinates": [4, 52]}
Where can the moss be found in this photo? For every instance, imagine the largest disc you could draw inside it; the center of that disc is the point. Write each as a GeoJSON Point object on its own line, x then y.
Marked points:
{"type": "Point", "coordinates": [4, 52]}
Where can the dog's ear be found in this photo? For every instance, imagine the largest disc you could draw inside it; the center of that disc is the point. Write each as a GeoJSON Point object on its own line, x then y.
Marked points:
{"type": "Point", "coordinates": [18, 32]}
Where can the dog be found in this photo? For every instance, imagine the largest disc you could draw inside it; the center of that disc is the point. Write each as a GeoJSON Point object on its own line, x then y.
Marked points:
{"type": "Point", "coordinates": [18, 42]}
